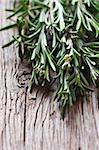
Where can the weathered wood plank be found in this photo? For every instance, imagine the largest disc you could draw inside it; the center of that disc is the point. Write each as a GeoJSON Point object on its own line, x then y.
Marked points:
{"type": "Point", "coordinates": [26, 124]}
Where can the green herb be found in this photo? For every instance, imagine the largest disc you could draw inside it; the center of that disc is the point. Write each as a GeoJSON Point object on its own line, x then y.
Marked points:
{"type": "Point", "coordinates": [61, 40]}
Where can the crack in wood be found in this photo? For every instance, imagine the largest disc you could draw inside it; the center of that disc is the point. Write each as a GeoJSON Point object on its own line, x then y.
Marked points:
{"type": "Point", "coordinates": [5, 94]}
{"type": "Point", "coordinates": [38, 110]}
{"type": "Point", "coordinates": [97, 92]}
{"type": "Point", "coordinates": [24, 128]}
{"type": "Point", "coordinates": [82, 111]}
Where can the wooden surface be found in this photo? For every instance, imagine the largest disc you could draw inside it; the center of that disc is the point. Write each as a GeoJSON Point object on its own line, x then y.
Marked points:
{"type": "Point", "coordinates": [26, 124]}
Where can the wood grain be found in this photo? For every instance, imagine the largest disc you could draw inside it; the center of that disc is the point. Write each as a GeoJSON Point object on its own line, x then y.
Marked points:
{"type": "Point", "coordinates": [32, 121]}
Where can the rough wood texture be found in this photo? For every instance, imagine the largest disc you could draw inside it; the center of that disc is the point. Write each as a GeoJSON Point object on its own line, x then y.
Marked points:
{"type": "Point", "coordinates": [26, 124]}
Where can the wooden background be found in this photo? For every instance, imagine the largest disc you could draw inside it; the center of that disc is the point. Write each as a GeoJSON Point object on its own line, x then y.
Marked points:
{"type": "Point", "coordinates": [26, 124]}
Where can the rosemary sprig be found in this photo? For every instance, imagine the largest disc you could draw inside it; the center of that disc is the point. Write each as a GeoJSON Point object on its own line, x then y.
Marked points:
{"type": "Point", "coordinates": [62, 37]}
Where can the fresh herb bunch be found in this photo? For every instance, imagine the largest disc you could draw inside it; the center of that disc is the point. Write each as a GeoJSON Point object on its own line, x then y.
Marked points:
{"type": "Point", "coordinates": [59, 36]}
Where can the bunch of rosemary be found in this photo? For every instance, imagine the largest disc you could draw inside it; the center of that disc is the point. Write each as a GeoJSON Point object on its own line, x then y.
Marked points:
{"type": "Point", "coordinates": [59, 36]}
